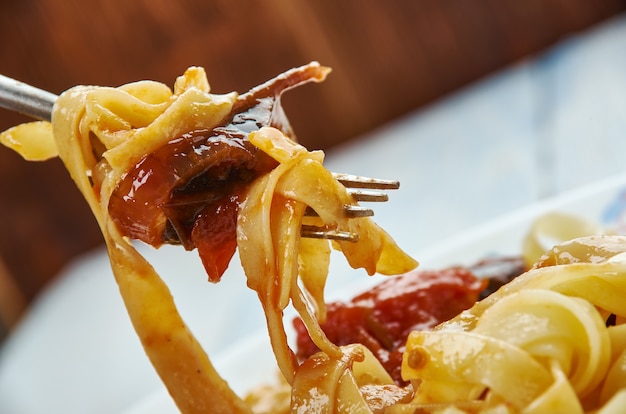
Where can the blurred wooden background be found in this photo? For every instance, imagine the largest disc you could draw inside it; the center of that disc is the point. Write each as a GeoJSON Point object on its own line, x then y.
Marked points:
{"type": "Point", "coordinates": [389, 57]}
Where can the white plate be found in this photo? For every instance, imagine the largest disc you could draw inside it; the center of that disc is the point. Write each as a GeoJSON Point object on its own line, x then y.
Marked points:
{"type": "Point", "coordinates": [251, 362]}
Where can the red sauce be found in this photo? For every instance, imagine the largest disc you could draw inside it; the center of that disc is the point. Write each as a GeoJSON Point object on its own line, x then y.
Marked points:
{"type": "Point", "coordinates": [383, 317]}
{"type": "Point", "coordinates": [214, 234]}
{"type": "Point", "coordinates": [175, 183]}
{"type": "Point", "coordinates": [186, 193]}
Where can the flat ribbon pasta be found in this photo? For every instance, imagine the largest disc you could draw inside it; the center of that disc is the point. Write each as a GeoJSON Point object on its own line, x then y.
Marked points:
{"type": "Point", "coordinates": [178, 358]}
{"type": "Point", "coordinates": [553, 340]}
{"type": "Point", "coordinates": [553, 318]}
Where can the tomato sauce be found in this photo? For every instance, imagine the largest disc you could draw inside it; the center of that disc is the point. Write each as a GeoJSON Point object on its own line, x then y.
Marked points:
{"type": "Point", "coordinates": [383, 317]}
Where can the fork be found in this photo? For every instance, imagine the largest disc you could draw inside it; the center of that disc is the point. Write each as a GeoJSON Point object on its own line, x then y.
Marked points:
{"type": "Point", "coordinates": [36, 103]}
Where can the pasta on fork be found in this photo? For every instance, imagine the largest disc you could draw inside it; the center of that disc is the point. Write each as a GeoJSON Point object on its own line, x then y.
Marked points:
{"type": "Point", "coordinates": [216, 173]}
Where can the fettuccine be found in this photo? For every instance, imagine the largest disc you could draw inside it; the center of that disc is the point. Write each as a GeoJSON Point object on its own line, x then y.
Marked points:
{"type": "Point", "coordinates": [553, 340]}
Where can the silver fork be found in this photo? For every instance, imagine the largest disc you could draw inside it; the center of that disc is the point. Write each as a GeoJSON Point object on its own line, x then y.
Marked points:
{"type": "Point", "coordinates": [36, 103]}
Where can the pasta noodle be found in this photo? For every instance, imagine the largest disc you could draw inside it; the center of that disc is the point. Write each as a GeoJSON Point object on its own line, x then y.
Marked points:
{"type": "Point", "coordinates": [555, 228]}
{"type": "Point", "coordinates": [553, 340]}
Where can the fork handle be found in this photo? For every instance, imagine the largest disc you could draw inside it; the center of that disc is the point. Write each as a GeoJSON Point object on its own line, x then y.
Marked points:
{"type": "Point", "coordinates": [26, 99]}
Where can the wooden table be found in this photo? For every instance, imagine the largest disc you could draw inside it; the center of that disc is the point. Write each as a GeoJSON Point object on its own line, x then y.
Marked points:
{"type": "Point", "coordinates": [388, 58]}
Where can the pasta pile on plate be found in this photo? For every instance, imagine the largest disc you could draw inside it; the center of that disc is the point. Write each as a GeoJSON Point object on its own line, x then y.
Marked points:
{"type": "Point", "coordinates": [553, 340]}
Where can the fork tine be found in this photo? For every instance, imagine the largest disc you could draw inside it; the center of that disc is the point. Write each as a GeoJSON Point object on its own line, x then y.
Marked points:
{"type": "Point", "coordinates": [364, 195]}
{"type": "Point", "coordinates": [355, 181]}
{"type": "Point", "coordinates": [314, 232]}
{"type": "Point", "coordinates": [349, 210]}
{"type": "Point", "coordinates": [352, 211]}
